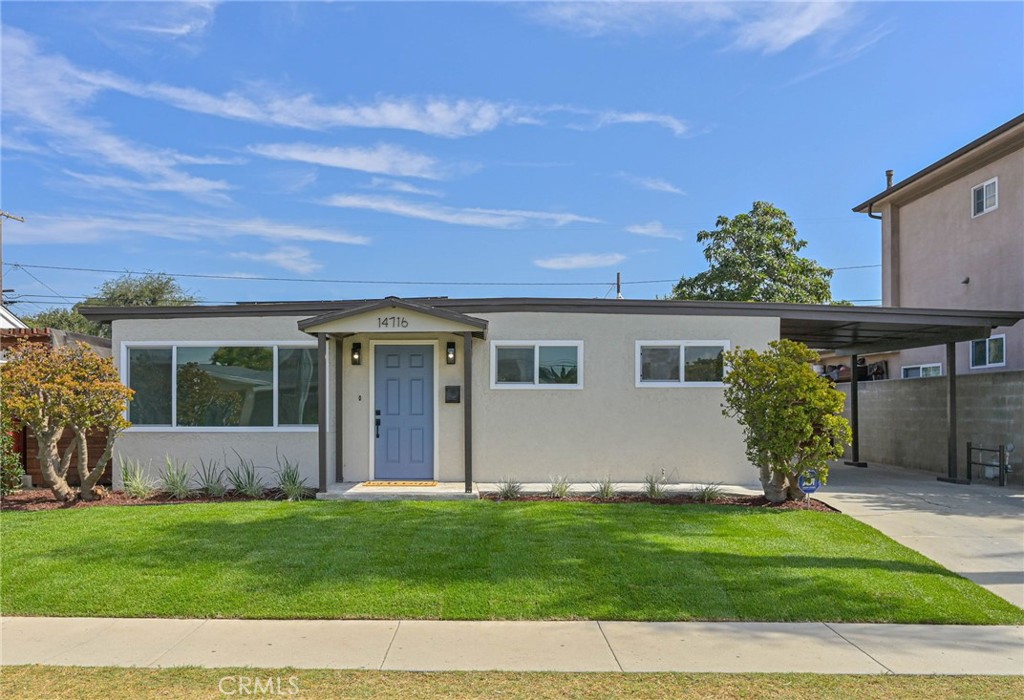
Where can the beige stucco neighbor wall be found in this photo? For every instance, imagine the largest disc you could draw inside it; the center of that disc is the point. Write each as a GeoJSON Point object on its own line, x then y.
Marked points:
{"type": "Point", "coordinates": [152, 446]}
{"type": "Point", "coordinates": [610, 427]}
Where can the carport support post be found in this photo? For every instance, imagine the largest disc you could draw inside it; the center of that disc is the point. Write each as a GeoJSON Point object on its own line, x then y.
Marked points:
{"type": "Point", "coordinates": [321, 364]}
{"type": "Point", "coordinates": [854, 416]}
{"type": "Point", "coordinates": [951, 476]}
{"type": "Point", "coordinates": [467, 406]}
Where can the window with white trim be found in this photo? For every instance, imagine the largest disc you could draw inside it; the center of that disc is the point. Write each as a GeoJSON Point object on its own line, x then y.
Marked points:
{"type": "Point", "coordinates": [222, 386]}
{"type": "Point", "coordinates": [985, 197]}
{"type": "Point", "coordinates": [669, 363]}
{"type": "Point", "coordinates": [914, 371]}
{"type": "Point", "coordinates": [536, 364]}
{"type": "Point", "coordinates": [988, 352]}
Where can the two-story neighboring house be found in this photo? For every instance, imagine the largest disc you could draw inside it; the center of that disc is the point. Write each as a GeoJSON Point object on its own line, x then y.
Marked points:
{"type": "Point", "coordinates": [953, 237]}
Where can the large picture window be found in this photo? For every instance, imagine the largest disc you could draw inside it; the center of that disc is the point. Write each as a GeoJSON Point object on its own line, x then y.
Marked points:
{"type": "Point", "coordinates": [537, 365]}
{"type": "Point", "coordinates": [671, 363]}
{"type": "Point", "coordinates": [223, 386]}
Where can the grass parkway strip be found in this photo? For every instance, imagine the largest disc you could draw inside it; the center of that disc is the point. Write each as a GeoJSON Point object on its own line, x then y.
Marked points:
{"type": "Point", "coordinates": [475, 561]}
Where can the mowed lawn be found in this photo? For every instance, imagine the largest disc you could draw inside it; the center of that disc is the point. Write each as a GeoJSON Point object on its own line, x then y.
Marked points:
{"type": "Point", "coordinates": [474, 561]}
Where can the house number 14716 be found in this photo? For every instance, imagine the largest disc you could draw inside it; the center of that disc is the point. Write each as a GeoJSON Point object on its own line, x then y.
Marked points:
{"type": "Point", "coordinates": [392, 322]}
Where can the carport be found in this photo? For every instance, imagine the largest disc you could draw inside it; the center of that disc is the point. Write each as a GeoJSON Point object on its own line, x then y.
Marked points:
{"type": "Point", "coordinates": [858, 331]}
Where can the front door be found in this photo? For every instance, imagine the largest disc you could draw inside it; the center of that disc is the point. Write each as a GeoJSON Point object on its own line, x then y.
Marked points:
{"type": "Point", "coordinates": [404, 412]}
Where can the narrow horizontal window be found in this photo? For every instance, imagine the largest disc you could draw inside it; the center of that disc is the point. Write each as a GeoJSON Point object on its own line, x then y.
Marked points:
{"type": "Point", "coordinates": [915, 371]}
{"type": "Point", "coordinates": [537, 364]}
{"type": "Point", "coordinates": [666, 363]}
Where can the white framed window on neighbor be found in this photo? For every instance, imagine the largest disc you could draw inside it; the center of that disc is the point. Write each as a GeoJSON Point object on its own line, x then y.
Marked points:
{"type": "Point", "coordinates": [679, 363]}
{"type": "Point", "coordinates": [537, 364]}
{"type": "Point", "coordinates": [212, 386]}
{"type": "Point", "coordinates": [933, 369]}
{"type": "Point", "coordinates": [985, 197]}
{"type": "Point", "coordinates": [988, 352]}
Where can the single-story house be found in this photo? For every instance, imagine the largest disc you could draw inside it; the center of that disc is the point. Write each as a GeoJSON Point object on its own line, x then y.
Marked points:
{"type": "Point", "coordinates": [472, 390]}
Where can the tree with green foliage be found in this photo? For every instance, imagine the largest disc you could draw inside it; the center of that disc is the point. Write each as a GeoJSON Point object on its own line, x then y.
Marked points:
{"type": "Point", "coordinates": [65, 388]}
{"type": "Point", "coordinates": [11, 470]}
{"type": "Point", "coordinates": [155, 289]}
{"type": "Point", "coordinates": [755, 257]}
{"type": "Point", "coordinates": [791, 417]}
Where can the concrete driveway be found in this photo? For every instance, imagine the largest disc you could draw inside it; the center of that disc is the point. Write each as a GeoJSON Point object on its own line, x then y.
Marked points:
{"type": "Point", "coordinates": [976, 531]}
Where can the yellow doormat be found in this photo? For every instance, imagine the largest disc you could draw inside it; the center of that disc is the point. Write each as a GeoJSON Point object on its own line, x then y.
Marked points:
{"type": "Point", "coordinates": [399, 483]}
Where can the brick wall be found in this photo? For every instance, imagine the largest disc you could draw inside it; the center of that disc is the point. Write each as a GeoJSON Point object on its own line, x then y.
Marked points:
{"type": "Point", "coordinates": [903, 421]}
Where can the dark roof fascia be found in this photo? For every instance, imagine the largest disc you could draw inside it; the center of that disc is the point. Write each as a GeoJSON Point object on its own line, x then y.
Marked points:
{"type": "Point", "coordinates": [939, 164]}
{"type": "Point", "coordinates": [394, 303]}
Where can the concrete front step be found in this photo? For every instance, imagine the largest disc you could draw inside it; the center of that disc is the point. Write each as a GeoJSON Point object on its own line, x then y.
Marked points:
{"type": "Point", "coordinates": [357, 491]}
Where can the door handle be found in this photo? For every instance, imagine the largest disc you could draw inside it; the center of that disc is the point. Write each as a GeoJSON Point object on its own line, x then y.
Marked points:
{"type": "Point", "coordinates": [376, 427]}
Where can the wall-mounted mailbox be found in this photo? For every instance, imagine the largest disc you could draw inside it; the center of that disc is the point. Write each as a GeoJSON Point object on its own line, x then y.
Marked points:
{"type": "Point", "coordinates": [452, 394]}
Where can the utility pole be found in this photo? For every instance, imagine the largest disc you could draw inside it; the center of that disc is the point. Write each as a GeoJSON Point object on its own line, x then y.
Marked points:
{"type": "Point", "coordinates": [618, 285]}
{"type": "Point", "coordinates": [4, 215]}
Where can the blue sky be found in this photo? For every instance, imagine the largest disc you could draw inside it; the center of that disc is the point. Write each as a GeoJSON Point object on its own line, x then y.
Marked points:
{"type": "Point", "coordinates": [540, 144]}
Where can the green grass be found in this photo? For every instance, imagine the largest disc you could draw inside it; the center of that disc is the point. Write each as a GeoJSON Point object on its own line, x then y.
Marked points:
{"type": "Point", "coordinates": [474, 561]}
{"type": "Point", "coordinates": [71, 683]}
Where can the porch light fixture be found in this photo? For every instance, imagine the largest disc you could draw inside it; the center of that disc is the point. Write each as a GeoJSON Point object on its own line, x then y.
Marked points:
{"type": "Point", "coordinates": [357, 353]}
{"type": "Point", "coordinates": [450, 355]}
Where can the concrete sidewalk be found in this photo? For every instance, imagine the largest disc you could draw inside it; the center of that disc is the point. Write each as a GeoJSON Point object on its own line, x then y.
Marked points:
{"type": "Point", "coordinates": [974, 530]}
{"type": "Point", "coordinates": [515, 646]}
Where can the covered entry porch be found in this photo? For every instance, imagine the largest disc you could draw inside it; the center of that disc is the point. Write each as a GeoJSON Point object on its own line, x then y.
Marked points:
{"type": "Point", "coordinates": [398, 398]}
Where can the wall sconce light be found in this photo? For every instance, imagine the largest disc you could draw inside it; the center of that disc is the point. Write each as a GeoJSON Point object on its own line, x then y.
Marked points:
{"type": "Point", "coordinates": [450, 355]}
{"type": "Point", "coordinates": [357, 353]}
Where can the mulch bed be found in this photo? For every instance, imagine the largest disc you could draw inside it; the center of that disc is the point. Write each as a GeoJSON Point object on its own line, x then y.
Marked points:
{"type": "Point", "coordinates": [679, 500]}
{"type": "Point", "coordinates": [42, 499]}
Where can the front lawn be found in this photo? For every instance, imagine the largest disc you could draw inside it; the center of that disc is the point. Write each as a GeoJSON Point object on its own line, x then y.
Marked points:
{"type": "Point", "coordinates": [475, 561]}
{"type": "Point", "coordinates": [142, 683]}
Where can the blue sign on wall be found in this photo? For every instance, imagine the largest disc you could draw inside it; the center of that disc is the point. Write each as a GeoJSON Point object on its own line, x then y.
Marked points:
{"type": "Point", "coordinates": [809, 481]}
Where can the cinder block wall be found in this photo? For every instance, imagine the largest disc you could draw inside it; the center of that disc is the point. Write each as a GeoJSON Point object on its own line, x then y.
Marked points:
{"type": "Point", "coordinates": [903, 421]}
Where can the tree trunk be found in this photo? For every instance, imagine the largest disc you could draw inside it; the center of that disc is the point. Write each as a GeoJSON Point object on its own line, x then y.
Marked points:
{"type": "Point", "coordinates": [774, 485]}
{"type": "Point", "coordinates": [52, 467]}
{"type": "Point", "coordinates": [794, 492]}
{"type": "Point", "coordinates": [89, 481]}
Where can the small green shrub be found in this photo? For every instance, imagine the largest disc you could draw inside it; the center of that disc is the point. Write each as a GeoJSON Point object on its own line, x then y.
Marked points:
{"type": "Point", "coordinates": [605, 489]}
{"type": "Point", "coordinates": [211, 479]}
{"type": "Point", "coordinates": [654, 486]}
{"type": "Point", "coordinates": [246, 479]}
{"type": "Point", "coordinates": [290, 481]}
{"type": "Point", "coordinates": [509, 489]}
{"type": "Point", "coordinates": [176, 479]}
{"type": "Point", "coordinates": [10, 462]}
{"type": "Point", "coordinates": [559, 487]}
{"type": "Point", "coordinates": [137, 481]}
{"type": "Point", "coordinates": [706, 493]}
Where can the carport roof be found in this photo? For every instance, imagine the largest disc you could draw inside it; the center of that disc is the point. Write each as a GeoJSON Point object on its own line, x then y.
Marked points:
{"type": "Point", "coordinates": [843, 329]}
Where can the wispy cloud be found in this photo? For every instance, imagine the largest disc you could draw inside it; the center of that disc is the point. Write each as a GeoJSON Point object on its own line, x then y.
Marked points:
{"type": "Point", "coordinates": [174, 20]}
{"type": "Point", "coordinates": [579, 261]}
{"type": "Point", "coordinates": [43, 229]}
{"type": "Point", "coordinates": [383, 159]}
{"type": "Point", "coordinates": [667, 121]}
{"type": "Point", "coordinates": [383, 183]}
{"type": "Point", "coordinates": [52, 96]}
{"type": "Point", "coordinates": [654, 229]}
{"type": "Point", "coordinates": [484, 218]}
{"type": "Point", "coordinates": [766, 27]}
{"type": "Point", "coordinates": [291, 258]}
{"type": "Point", "coordinates": [654, 184]}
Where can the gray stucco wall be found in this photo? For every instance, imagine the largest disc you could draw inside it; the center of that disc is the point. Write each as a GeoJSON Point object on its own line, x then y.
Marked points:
{"type": "Point", "coordinates": [903, 422]}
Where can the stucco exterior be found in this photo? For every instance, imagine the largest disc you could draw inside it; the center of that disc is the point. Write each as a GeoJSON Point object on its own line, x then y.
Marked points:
{"type": "Point", "coordinates": [609, 427]}
{"type": "Point", "coordinates": [936, 253]}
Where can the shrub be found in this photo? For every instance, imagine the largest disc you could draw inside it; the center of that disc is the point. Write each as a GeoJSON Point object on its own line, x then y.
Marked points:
{"type": "Point", "coordinates": [176, 479]}
{"type": "Point", "coordinates": [245, 479]}
{"type": "Point", "coordinates": [10, 462]}
{"type": "Point", "coordinates": [605, 489]}
{"type": "Point", "coordinates": [559, 487]}
{"type": "Point", "coordinates": [509, 489]}
{"type": "Point", "coordinates": [290, 481]}
{"type": "Point", "coordinates": [210, 477]}
{"type": "Point", "coordinates": [706, 493]}
{"type": "Point", "coordinates": [654, 486]}
{"type": "Point", "coordinates": [137, 482]}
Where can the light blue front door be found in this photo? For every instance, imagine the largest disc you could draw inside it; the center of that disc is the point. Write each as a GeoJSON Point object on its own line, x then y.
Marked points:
{"type": "Point", "coordinates": [404, 412]}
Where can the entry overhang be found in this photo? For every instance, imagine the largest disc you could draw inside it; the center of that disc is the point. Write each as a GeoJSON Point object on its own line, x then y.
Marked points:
{"type": "Point", "coordinates": [393, 315]}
